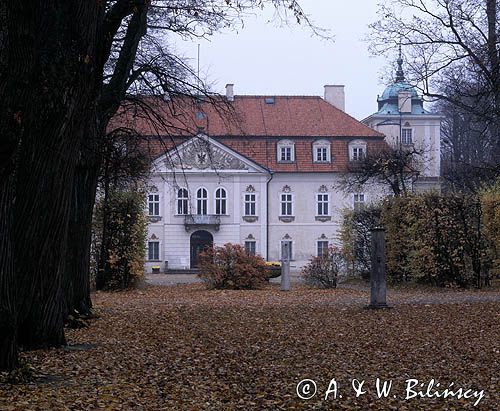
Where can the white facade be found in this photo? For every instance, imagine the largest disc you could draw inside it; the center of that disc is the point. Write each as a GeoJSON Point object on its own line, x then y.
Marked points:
{"type": "Point", "coordinates": [254, 213]}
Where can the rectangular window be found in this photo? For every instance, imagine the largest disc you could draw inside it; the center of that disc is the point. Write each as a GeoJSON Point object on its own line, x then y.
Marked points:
{"type": "Point", "coordinates": [358, 153]}
{"type": "Point", "coordinates": [154, 204]}
{"type": "Point", "coordinates": [406, 136]}
{"type": "Point", "coordinates": [250, 209]}
{"type": "Point", "coordinates": [250, 247]}
{"type": "Point", "coordinates": [182, 206]}
{"type": "Point", "coordinates": [322, 248]}
{"type": "Point", "coordinates": [286, 205]}
{"type": "Point", "coordinates": [359, 201]}
{"type": "Point", "coordinates": [201, 206]}
{"type": "Point", "coordinates": [286, 246]}
{"type": "Point", "coordinates": [286, 154]}
{"type": "Point", "coordinates": [322, 204]}
{"type": "Point", "coordinates": [153, 251]}
{"type": "Point", "coordinates": [321, 154]}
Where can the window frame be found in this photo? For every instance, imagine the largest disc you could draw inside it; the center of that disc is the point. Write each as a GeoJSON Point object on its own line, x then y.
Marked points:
{"type": "Point", "coordinates": [220, 201]}
{"type": "Point", "coordinates": [154, 205]}
{"type": "Point", "coordinates": [150, 242]}
{"type": "Point", "coordinates": [322, 241]}
{"type": "Point", "coordinates": [404, 131]}
{"type": "Point", "coordinates": [251, 243]}
{"type": "Point", "coordinates": [322, 202]}
{"type": "Point", "coordinates": [285, 202]}
{"type": "Point", "coordinates": [325, 147]}
{"type": "Point", "coordinates": [357, 203]}
{"type": "Point", "coordinates": [354, 147]}
{"type": "Point", "coordinates": [182, 203]}
{"type": "Point", "coordinates": [283, 145]}
{"type": "Point", "coordinates": [249, 203]}
{"type": "Point", "coordinates": [203, 201]}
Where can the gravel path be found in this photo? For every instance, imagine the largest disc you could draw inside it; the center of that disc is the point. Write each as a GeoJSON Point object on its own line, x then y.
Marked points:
{"type": "Point", "coordinates": [395, 296]}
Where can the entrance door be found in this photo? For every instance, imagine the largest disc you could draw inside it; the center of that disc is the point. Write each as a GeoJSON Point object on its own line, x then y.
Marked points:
{"type": "Point", "coordinates": [199, 241]}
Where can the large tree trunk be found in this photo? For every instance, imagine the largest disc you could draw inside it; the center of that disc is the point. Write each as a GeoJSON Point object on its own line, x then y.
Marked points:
{"type": "Point", "coordinates": [8, 312]}
{"type": "Point", "coordinates": [77, 272]}
{"type": "Point", "coordinates": [8, 147]}
{"type": "Point", "coordinates": [59, 38]}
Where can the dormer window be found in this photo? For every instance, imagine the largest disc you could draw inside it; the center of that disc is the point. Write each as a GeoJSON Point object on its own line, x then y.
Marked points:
{"type": "Point", "coordinates": [321, 151]}
{"type": "Point", "coordinates": [357, 150]}
{"type": "Point", "coordinates": [286, 151]}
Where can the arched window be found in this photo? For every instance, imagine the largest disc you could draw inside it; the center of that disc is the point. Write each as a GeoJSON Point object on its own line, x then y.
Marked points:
{"type": "Point", "coordinates": [201, 201]}
{"type": "Point", "coordinates": [220, 201]}
{"type": "Point", "coordinates": [182, 201]}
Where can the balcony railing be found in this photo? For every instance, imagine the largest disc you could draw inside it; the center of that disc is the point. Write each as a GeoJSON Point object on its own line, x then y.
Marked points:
{"type": "Point", "coordinates": [200, 220]}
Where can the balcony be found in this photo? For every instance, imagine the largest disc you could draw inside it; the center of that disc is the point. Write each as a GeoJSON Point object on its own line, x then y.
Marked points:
{"type": "Point", "coordinates": [201, 220]}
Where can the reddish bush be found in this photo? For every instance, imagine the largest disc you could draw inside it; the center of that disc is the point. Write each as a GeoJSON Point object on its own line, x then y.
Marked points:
{"type": "Point", "coordinates": [323, 271]}
{"type": "Point", "coordinates": [231, 268]}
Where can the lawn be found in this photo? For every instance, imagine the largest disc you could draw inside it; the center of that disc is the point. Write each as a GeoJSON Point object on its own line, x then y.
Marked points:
{"type": "Point", "coordinates": [187, 348]}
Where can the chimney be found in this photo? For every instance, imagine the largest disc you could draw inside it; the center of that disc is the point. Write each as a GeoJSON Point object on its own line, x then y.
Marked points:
{"type": "Point", "coordinates": [334, 94]}
{"type": "Point", "coordinates": [229, 92]}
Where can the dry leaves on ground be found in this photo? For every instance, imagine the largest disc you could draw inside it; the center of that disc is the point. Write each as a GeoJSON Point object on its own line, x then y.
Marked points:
{"type": "Point", "coordinates": [187, 348]}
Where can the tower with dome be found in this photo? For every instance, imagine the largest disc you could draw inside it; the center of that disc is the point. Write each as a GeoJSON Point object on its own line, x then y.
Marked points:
{"type": "Point", "coordinates": [401, 116]}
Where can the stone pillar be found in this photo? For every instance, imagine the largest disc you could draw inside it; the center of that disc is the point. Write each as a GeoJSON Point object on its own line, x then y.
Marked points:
{"type": "Point", "coordinates": [377, 274]}
{"type": "Point", "coordinates": [285, 266]}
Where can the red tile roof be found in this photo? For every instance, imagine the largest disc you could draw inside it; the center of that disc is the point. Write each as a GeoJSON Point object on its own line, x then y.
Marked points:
{"type": "Point", "coordinates": [253, 127]}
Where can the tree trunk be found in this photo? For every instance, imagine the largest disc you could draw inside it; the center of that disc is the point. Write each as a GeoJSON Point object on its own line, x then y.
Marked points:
{"type": "Point", "coordinates": [59, 40]}
{"type": "Point", "coordinates": [8, 312]}
{"type": "Point", "coordinates": [8, 147]}
{"type": "Point", "coordinates": [77, 271]}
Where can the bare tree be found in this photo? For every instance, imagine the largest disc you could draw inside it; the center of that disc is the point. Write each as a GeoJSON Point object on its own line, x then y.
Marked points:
{"type": "Point", "coordinates": [452, 52]}
{"type": "Point", "coordinates": [395, 168]}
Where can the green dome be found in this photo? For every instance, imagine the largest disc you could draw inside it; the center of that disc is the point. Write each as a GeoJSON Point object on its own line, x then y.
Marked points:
{"type": "Point", "coordinates": [391, 92]}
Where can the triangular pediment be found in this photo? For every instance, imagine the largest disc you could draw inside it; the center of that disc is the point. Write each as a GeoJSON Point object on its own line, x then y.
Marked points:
{"type": "Point", "coordinates": [202, 153]}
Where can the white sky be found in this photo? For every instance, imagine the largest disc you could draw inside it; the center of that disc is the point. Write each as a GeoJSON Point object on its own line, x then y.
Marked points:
{"type": "Point", "coordinates": [264, 59]}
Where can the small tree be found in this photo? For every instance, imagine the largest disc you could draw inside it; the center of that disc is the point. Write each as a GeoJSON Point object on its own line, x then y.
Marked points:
{"type": "Point", "coordinates": [125, 241]}
{"type": "Point", "coordinates": [231, 268]}
{"type": "Point", "coordinates": [323, 271]}
{"type": "Point", "coordinates": [395, 168]}
{"type": "Point", "coordinates": [356, 238]}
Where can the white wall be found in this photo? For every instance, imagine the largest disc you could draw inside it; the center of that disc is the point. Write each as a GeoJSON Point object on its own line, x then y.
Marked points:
{"type": "Point", "coordinates": [305, 230]}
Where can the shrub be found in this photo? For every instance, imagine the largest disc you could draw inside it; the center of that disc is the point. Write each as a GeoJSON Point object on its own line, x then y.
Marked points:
{"type": "Point", "coordinates": [490, 205]}
{"type": "Point", "coordinates": [431, 238]}
{"type": "Point", "coordinates": [323, 271]}
{"type": "Point", "coordinates": [230, 268]}
{"type": "Point", "coordinates": [125, 224]}
{"type": "Point", "coordinates": [356, 239]}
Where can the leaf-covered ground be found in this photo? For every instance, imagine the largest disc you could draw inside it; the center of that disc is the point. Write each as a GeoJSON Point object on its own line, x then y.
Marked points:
{"type": "Point", "coordinates": [187, 348]}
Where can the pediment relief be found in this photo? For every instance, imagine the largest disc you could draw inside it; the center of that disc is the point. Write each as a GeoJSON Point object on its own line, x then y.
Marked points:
{"type": "Point", "coordinates": [202, 155]}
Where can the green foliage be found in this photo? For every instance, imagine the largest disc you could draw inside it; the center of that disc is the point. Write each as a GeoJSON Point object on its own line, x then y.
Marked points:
{"type": "Point", "coordinates": [323, 271]}
{"type": "Point", "coordinates": [490, 205]}
{"type": "Point", "coordinates": [124, 222]}
{"type": "Point", "coordinates": [431, 238]}
{"type": "Point", "coordinates": [229, 267]}
{"type": "Point", "coordinates": [355, 237]}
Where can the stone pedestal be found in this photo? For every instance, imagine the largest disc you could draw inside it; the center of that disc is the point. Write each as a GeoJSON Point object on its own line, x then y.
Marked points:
{"type": "Point", "coordinates": [285, 267]}
{"type": "Point", "coordinates": [377, 274]}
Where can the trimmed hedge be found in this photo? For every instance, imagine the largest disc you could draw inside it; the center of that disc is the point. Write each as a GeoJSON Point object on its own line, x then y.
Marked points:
{"type": "Point", "coordinates": [432, 238]}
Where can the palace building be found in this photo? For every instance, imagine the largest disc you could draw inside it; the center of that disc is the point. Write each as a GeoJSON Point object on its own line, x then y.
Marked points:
{"type": "Point", "coordinates": [264, 170]}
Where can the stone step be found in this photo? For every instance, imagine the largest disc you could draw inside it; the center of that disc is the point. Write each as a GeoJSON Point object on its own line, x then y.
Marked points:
{"type": "Point", "coordinates": [177, 271]}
